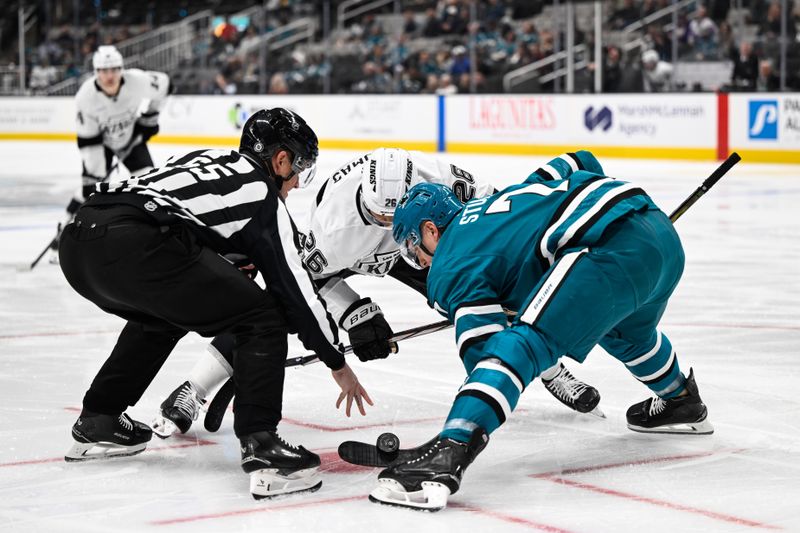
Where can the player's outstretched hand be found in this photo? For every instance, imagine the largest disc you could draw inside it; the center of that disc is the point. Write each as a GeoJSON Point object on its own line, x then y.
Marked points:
{"type": "Point", "coordinates": [351, 390]}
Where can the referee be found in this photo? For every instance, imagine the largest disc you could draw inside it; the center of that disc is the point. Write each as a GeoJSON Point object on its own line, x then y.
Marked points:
{"type": "Point", "coordinates": [149, 250]}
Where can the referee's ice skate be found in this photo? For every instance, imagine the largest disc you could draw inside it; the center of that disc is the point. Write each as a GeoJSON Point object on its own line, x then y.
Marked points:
{"type": "Point", "coordinates": [178, 411]}
{"type": "Point", "coordinates": [276, 467]}
{"type": "Point", "coordinates": [100, 436]}
{"type": "Point", "coordinates": [424, 483]}
{"type": "Point", "coordinates": [682, 414]}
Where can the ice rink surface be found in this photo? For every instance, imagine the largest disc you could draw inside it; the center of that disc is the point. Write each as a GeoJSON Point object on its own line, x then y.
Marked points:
{"type": "Point", "coordinates": [735, 319]}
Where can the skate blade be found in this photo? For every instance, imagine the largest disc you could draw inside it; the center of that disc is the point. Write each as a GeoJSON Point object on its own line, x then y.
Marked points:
{"type": "Point", "coordinates": [83, 451]}
{"type": "Point", "coordinates": [597, 412]}
{"type": "Point", "coordinates": [267, 483]}
{"type": "Point", "coordinates": [703, 427]}
{"type": "Point", "coordinates": [163, 427]}
{"type": "Point", "coordinates": [432, 497]}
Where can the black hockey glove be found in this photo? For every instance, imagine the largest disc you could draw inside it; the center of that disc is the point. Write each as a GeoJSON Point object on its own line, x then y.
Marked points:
{"type": "Point", "coordinates": [368, 330]}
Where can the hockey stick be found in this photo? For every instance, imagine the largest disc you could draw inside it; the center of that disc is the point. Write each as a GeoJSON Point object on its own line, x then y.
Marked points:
{"type": "Point", "coordinates": [707, 184]}
{"type": "Point", "coordinates": [219, 404]}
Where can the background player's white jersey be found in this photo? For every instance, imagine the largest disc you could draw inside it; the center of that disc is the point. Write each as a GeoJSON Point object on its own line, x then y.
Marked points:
{"type": "Point", "coordinates": [341, 237]}
{"type": "Point", "coordinates": [109, 121]}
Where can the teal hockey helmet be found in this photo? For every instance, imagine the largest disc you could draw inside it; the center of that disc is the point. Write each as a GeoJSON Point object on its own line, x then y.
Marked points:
{"type": "Point", "coordinates": [425, 201]}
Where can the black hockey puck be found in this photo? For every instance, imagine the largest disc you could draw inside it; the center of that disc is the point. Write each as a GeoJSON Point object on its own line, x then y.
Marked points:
{"type": "Point", "coordinates": [388, 443]}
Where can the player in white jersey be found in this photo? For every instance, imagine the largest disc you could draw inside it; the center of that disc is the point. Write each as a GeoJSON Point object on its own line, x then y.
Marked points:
{"type": "Point", "coordinates": [116, 113]}
{"type": "Point", "coordinates": [349, 232]}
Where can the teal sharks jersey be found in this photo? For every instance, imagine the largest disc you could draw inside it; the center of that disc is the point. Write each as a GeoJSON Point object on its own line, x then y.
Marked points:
{"type": "Point", "coordinates": [496, 250]}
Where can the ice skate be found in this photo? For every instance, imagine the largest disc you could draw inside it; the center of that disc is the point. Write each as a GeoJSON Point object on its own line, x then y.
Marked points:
{"type": "Point", "coordinates": [105, 436]}
{"type": "Point", "coordinates": [276, 468]}
{"type": "Point", "coordinates": [178, 411]}
{"type": "Point", "coordinates": [683, 414]}
{"type": "Point", "coordinates": [425, 483]}
{"type": "Point", "coordinates": [573, 392]}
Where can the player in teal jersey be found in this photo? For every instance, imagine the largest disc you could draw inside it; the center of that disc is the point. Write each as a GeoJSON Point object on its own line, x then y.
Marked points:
{"type": "Point", "coordinates": [580, 259]}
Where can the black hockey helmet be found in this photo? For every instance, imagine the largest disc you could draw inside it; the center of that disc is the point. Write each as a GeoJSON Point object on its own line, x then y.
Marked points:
{"type": "Point", "coordinates": [270, 130]}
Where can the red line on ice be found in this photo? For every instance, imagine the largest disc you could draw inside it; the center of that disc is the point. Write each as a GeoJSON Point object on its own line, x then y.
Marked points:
{"type": "Point", "coordinates": [665, 459]}
{"type": "Point", "coordinates": [270, 508]}
{"type": "Point", "coordinates": [555, 477]}
{"type": "Point", "coordinates": [507, 518]}
{"type": "Point", "coordinates": [660, 503]}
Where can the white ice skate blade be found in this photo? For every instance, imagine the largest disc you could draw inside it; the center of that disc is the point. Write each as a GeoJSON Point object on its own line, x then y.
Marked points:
{"type": "Point", "coordinates": [163, 427]}
{"type": "Point", "coordinates": [432, 497]}
{"type": "Point", "coordinates": [268, 483]}
{"type": "Point", "coordinates": [597, 412]}
{"type": "Point", "coordinates": [703, 427]}
{"type": "Point", "coordinates": [83, 451]}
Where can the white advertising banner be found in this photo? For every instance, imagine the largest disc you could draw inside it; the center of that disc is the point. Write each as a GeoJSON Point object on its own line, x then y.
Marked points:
{"type": "Point", "coordinates": [37, 115]}
{"type": "Point", "coordinates": [768, 121]}
{"type": "Point", "coordinates": [388, 118]}
{"type": "Point", "coordinates": [606, 120]}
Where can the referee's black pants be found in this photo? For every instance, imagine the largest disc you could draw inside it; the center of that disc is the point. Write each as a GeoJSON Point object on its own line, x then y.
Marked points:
{"type": "Point", "coordinates": [165, 283]}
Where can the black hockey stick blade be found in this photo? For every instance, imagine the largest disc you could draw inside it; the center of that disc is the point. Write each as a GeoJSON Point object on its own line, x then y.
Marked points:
{"type": "Point", "coordinates": [218, 406]}
{"type": "Point", "coordinates": [365, 454]}
{"type": "Point", "coordinates": [418, 331]}
{"type": "Point", "coordinates": [707, 184]}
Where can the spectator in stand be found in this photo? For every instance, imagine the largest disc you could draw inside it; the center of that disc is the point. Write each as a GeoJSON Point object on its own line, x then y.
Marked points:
{"type": "Point", "coordinates": [659, 41]}
{"type": "Point", "coordinates": [726, 44]}
{"type": "Point", "coordinates": [767, 79]}
{"type": "Point", "coordinates": [410, 25]}
{"type": "Point", "coordinates": [277, 84]}
{"type": "Point", "coordinates": [432, 27]}
{"type": "Point", "coordinates": [745, 68]}
{"type": "Point", "coordinates": [627, 14]}
{"type": "Point", "coordinates": [446, 85]}
{"type": "Point", "coordinates": [461, 63]}
{"type": "Point", "coordinates": [426, 64]}
{"type": "Point", "coordinates": [771, 27]}
{"type": "Point", "coordinates": [656, 74]}
{"type": "Point", "coordinates": [226, 78]}
{"type": "Point", "coordinates": [612, 70]}
{"type": "Point", "coordinates": [703, 35]}
{"type": "Point", "coordinates": [494, 10]}
{"type": "Point", "coordinates": [43, 74]}
{"type": "Point", "coordinates": [528, 33]}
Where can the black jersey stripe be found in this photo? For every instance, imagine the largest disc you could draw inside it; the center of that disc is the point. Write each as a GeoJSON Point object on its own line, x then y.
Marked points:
{"type": "Point", "coordinates": [577, 160]}
{"type": "Point", "coordinates": [360, 207]}
{"type": "Point", "coordinates": [488, 400]}
{"type": "Point", "coordinates": [543, 262]}
{"type": "Point", "coordinates": [469, 343]}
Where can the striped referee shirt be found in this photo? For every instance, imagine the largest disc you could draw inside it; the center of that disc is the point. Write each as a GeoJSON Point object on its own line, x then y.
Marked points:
{"type": "Point", "coordinates": [235, 207]}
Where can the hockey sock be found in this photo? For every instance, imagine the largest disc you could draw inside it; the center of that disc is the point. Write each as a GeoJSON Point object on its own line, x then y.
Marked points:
{"type": "Point", "coordinates": [211, 371]}
{"type": "Point", "coordinates": [485, 400]}
{"type": "Point", "coordinates": [658, 368]}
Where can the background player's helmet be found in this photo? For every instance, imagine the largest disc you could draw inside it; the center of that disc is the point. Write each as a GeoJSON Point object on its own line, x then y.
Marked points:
{"type": "Point", "coordinates": [270, 130]}
{"type": "Point", "coordinates": [106, 56]}
{"type": "Point", "coordinates": [425, 201]}
{"type": "Point", "coordinates": [386, 175]}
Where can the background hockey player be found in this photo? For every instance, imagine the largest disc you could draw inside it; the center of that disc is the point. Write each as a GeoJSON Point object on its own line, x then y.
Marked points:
{"type": "Point", "coordinates": [349, 232]}
{"type": "Point", "coordinates": [593, 261]}
{"type": "Point", "coordinates": [148, 250]}
{"type": "Point", "coordinates": [117, 113]}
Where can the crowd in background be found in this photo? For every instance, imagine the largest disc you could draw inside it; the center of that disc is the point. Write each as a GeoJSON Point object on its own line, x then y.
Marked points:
{"type": "Point", "coordinates": [435, 46]}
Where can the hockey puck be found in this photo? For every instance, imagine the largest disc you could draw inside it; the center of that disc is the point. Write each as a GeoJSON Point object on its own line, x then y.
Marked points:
{"type": "Point", "coordinates": [388, 443]}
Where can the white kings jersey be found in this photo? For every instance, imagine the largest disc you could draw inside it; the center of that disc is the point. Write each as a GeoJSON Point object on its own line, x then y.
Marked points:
{"type": "Point", "coordinates": [108, 121]}
{"type": "Point", "coordinates": [340, 237]}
